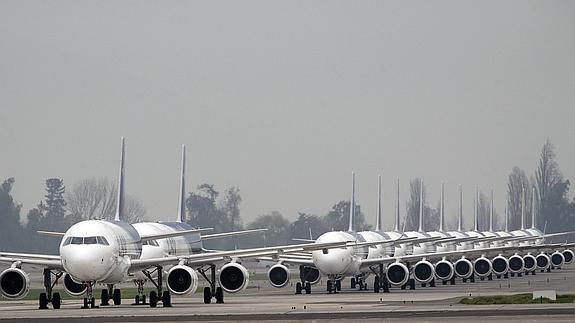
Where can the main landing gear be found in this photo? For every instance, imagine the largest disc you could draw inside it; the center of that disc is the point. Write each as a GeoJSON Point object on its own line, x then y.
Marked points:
{"type": "Point", "coordinates": [211, 291]}
{"type": "Point", "coordinates": [48, 296]}
{"type": "Point", "coordinates": [303, 284]}
{"type": "Point", "coordinates": [380, 282]}
{"type": "Point", "coordinates": [158, 295]}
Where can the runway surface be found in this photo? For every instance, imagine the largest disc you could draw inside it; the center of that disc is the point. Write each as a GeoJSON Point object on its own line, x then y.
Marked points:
{"type": "Point", "coordinates": [429, 304]}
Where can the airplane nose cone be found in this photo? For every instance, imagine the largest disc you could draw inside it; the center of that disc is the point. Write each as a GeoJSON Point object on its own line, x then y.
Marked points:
{"type": "Point", "coordinates": [334, 262]}
{"type": "Point", "coordinates": [85, 263]}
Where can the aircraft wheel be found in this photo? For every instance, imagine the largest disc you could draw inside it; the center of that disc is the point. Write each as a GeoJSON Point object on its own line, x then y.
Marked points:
{"type": "Point", "coordinates": [153, 299]}
{"type": "Point", "coordinates": [42, 301]}
{"type": "Point", "coordinates": [308, 288]}
{"type": "Point", "coordinates": [92, 302]}
{"type": "Point", "coordinates": [105, 298]}
{"type": "Point", "coordinates": [338, 285]}
{"type": "Point", "coordinates": [298, 288]}
{"type": "Point", "coordinates": [376, 285]}
{"type": "Point", "coordinates": [352, 282]}
{"type": "Point", "coordinates": [56, 301]}
{"type": "Point", "coordinates": [219, 295]}
{"type": "Point", "coordinates": [166, 299]}
{"type": "Point", "coordinates": [117, 297]}
{"type": "Point", "coordinates": [329, 286]}
{"type": "Point", "coordinates": [207, 295]}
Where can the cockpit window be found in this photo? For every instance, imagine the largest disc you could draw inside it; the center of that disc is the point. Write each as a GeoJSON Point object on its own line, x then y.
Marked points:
{"type": "Point", "coordinates": [90, 240]}
{"type": "Point", "coordinates": [102, 241]}
{"type": "Point", "coordinates": [86, 240]}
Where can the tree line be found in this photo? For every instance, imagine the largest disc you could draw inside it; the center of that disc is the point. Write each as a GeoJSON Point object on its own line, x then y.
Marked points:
{"type": "Point", "coordinates": [206, 207]}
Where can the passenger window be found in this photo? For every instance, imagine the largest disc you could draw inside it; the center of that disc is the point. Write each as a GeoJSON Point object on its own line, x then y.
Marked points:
{"type": "Point", "coordinates": [77, 240]}
{"type": "Point", "coordinates": [90, 240]}
{"type": "Point", "coordinates": [102, 241]}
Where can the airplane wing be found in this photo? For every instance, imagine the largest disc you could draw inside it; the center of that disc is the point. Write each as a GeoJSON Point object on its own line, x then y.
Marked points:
{"type": "Point", "coordinates": [229, 234]}
{"type": "Point", "coordinates": [49, 261]}
{"type": "Point", "coordinates": [147, 237]}
{"type": "Point", "coordinates": [219, 256]}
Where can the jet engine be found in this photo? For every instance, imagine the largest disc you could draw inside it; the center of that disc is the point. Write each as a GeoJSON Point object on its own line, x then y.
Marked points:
{"type": "Point", "coordinates": [423, 271]}
{"type": "Point", "coordinates": [397, 274]}
{"type": "Point", "coordinates": [234, 277]}
{"type": "Point", "coordinates": [312, 275]}
{"type": "Point", "coordinates": [482, 267]}
{"type": "Point", "coordinates": [463, 268]}
{"type": "Point", "coordinates": [500, 265]}
{"type": "Point", "coordinates": [14, 283]}
{"type": "Point", "coordinates": [72, 287]}
{"type": "Point", "coordinates": [278, 275]}
{"type": "Point", "coordinates": [543, 262]}
{"type": "Point", "coordinates": [182, 280]}
{"type": "Point", "coordinates": [529, 262]}
{"type": "Point", "coordinates": [444, 270]}
{"type": "Point", "coordinates": [516, 264]}
{"type": "Point", "coordinates": [557, 259]}
{"type": "Point", "coordinates": [569, 255]}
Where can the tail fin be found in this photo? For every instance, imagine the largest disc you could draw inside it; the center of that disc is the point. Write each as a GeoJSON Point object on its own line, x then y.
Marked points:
{"type": "Point", "coordinates": [378, 220]}
{"type": "Point", "coordinates": [506, 220]}
{"type": "Point", "coordinates": [182, 198]}
{"type": "Point", "coordinates": [421, 205]}
{"type": "Point", "coordinates": [120, 202]}
{"type": "Point", "coordinates": [475, 209]}
{"type": "Point", "coordinates": [352, 203]}
{"type": "Point", "coordinates": [533, 226]}
{"type": "Point", "coordinates": [396, 225]}
{"type": "Point", "coordinates": [523, 208]}
{"type": "Point", "coordinates": [460, 217]}
{"type": "Point", "coordinates": [491, 213]}
{"type": "Point", "coordinates": [442, 209]}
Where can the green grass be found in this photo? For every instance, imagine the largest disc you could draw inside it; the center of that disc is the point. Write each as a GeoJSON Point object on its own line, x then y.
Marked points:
{"type": "Point", "coordinates": [515, 299]}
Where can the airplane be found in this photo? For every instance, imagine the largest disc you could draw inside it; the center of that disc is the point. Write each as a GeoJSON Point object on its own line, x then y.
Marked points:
{"type": "Point", "coordinates": [108, 252]}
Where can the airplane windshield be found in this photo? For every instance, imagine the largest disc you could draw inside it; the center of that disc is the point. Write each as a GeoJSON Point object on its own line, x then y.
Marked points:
{"type": "Point", "coordinates": [86, 240]}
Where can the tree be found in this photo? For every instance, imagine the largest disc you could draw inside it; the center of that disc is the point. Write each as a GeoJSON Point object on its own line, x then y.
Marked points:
{"type": "Point", "coordinates": [430, 216]}
{"type": "Point", "coordinates": [277, 233]}
{"type": "Point", "coordinates": [305, 223]}
{"type": "Point", "coordinates": [231, 207]}
{"type": "Point", "coordinates": [338, 217]}
{"type": "Point", "coordinates": [10, 228]}
{"type": "Point", "coordinates": [547, 176]}
{"type": "Point", "coordinates": [53, 206]}
{"type": "Point", "coordinates": [92, 198]}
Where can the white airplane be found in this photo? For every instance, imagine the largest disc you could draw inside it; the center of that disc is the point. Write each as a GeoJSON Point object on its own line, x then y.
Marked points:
{"type": "Point", "coordinates": [108, 252]}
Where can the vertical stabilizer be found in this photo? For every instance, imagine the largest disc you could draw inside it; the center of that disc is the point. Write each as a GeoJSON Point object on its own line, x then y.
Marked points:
{"type": "Point", "coordinates": [120, 200]}
{"type": "Point", "coordinates": [396, 225]}
{"type": "Point", "coordinates": [491, 213]}
{"type": "Point", "coordinates": [352, 203]}
{"type": "Point", "coordinates": [475, 209]}
{"type": "Point", "coordinates": [442, 209]}
{"type": "Point", "coordinates": [378, 220]}
{"type": "Point", "coordinates": [182, 195]}
{"type": "Point", "coordinates": [420, 205]}
{"type": "Point", "coordinates": [523, 208]}
{"type": "Point", "coordinates": [533, 223]}
{"type": "Point", "coordinates": [460, 216]}
{"type": "Point", "coordinates": [506, 220]}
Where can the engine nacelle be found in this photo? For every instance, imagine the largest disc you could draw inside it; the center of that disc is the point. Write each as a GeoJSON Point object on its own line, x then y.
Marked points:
{"type": "Point", "coordinates": [311, 275]}
{"type": "Point", "coordinates": [543, 261]}
{"type": "Point", "coordinates": [557, 259]}
{"type": "Point", "coordinates": [72, 287]}
{"type": "Point", "coordinates": [569, 255]}
{"type": "Point", "coordinates": [463, 268]}
{"type": "Point", "coordinates": [234, 277]}
{"type": "Point", "coordinates": [516, 264]}
{"type": "Point", "coordinates": [530, 262]}
{"type": "Point", "coordinates": [423, 271]}
{"type": "Point", "coordinates": [444, 270]}
{"type": "Point", "coordinates": [182, 280]}
{"type": "Point", "coordinates": [278, 275]}
{"type": "Point", "coordinates": [14, 283]}
{"type": "Point", "coordinates": [397, 274]}
{"type": "Point", "coordinates": [482, 267]}
{"type": "Point", "coordinates": [500, 265]}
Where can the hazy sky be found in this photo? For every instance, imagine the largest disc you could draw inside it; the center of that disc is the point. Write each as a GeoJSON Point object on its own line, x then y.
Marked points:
{"type": "Point", "coordinates": [285, 99]}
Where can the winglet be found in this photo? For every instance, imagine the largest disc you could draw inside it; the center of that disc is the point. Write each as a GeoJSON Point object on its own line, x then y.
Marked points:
{"type": "Point", "coordinates": [352, 203]}
{"type": "Point", "coordinates": [378, 220]}
{"type": "Point", "coordinates": [182, 196]}
{"type": "Point", "coordinates": [120, 202]}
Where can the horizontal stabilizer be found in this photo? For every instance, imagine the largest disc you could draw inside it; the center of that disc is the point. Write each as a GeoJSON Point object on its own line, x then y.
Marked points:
{"type": "Point", "coordinates": [52, 233]}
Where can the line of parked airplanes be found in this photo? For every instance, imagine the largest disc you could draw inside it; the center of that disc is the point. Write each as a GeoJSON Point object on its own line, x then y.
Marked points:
{"type": "Point", "coordinates": [102, 252]}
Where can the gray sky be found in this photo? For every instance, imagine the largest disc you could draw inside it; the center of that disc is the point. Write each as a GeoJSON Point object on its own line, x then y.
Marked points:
{"type": "Point", "coordinates": [285, 99]}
